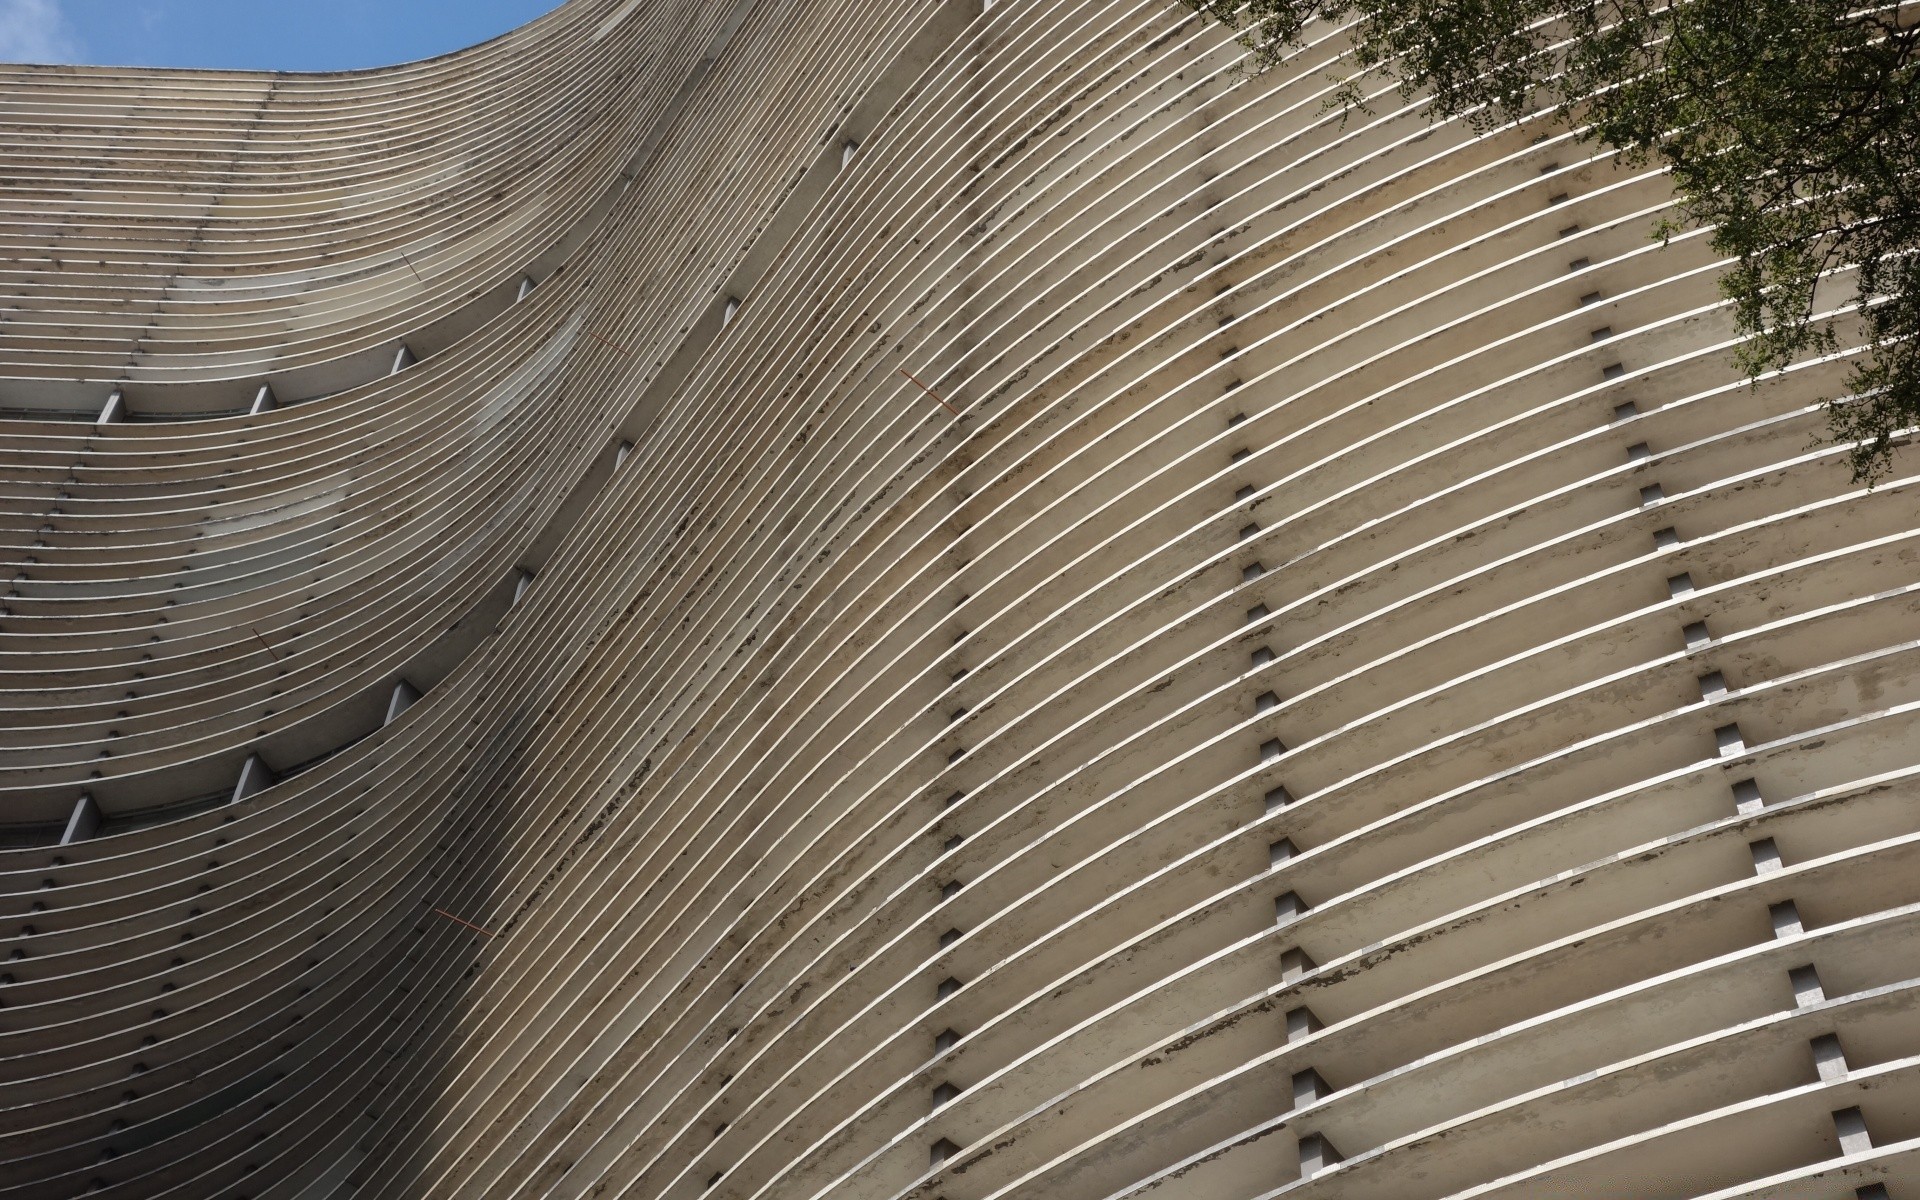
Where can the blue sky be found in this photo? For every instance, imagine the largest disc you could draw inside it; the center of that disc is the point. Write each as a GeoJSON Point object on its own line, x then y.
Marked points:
{"type": "Point", "coordinates": [287, 35]}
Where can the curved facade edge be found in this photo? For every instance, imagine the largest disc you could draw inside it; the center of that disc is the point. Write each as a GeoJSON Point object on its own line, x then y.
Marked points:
{"type": "Point", "coordinates": [774, 601]}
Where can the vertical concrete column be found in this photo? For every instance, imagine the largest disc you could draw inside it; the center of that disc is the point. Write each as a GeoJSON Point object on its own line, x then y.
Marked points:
{"type": "Point", "coordinates": [1317, 1152]}
{"type": "Point", "coordinates": [943, 664]}
{"type": "Point", "coordinates": [1829, 1056]}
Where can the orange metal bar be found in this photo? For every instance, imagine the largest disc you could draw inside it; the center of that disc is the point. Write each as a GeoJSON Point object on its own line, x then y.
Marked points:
{"type": "Point", "coordinates": [929, 391]}
{"type": "Point", "coordinates": [469, 924]}
{"type": "Point", "coordinates": [610, 345]}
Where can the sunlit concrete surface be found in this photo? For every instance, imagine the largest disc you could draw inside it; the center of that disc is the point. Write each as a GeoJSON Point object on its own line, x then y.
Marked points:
{"type": "Point", "coordinates": [780, 600]}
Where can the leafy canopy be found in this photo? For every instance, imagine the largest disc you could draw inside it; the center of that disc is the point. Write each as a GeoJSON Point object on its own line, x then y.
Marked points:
{"type": "Point", "coordinates": [1789, 128]}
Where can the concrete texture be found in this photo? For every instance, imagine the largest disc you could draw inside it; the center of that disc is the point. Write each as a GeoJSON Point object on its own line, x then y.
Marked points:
{"type": "Point", "coordinates": [721, 598]}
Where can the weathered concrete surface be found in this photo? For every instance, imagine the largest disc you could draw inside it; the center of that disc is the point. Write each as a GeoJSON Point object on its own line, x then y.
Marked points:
{"type": "Point", "coordinates": [837, 601]}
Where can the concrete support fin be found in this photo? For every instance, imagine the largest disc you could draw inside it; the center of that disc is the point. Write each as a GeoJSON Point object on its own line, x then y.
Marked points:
{"type": "Point", "coordinates": [1850, 1126]}
{"type": "Point", "coordinates": [1302, 1023]}
{"type": "Point", "coordinates": [84, 822]}
{"type": "Point", "coordinates": [404, 694]}
{"type": "Point", "coordinates": [1806, 986]}
{"type": "Point", "coordinates": [1828, 1058]}
{"type": "Point", "coordinates": [1785, 917]}
{"type": "Point", "coordinates": [1309, 1088]}
{"type": "Point", "coordinates": [1316, 1154]}
{"type": "Point", "coordinates": [254, 776]}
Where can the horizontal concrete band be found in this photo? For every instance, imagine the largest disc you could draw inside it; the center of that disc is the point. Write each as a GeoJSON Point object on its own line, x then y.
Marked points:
{"type": "Point", "coordinates": [727, 598]}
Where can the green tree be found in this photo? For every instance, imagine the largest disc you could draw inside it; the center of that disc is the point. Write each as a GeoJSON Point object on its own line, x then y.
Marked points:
{"type": "Point", "coordinates": [1789, 127]}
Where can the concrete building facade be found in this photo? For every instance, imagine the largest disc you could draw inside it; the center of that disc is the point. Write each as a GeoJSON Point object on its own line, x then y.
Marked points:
{"type": "Point", "coordinates": [777, 599]}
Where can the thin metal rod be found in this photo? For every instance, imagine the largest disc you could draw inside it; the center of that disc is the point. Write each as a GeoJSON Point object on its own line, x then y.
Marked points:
{"type": "Point", "coordinates": [264, 642]}
{"type": "Point", "coordinates": [929, 391]}
{"type": "Point", "coordinates": [609, 345]}
{"type": "Point", "coordinates": [469, 924]}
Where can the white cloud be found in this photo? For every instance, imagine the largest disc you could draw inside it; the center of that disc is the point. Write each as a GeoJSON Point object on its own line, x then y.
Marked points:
{"type": "Point", "coordinates": [36, 31]}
